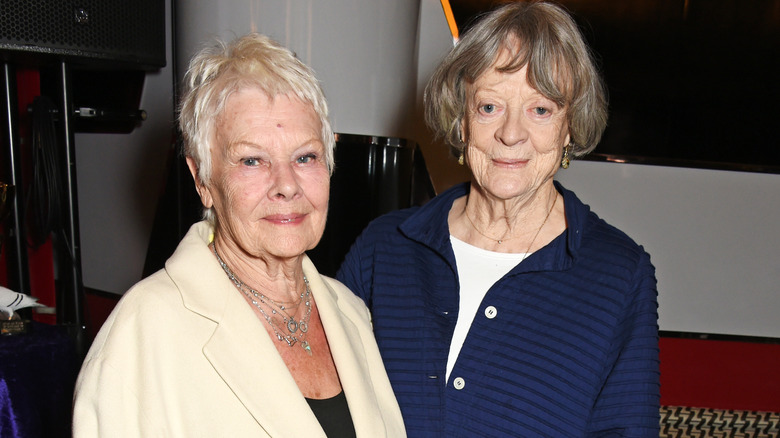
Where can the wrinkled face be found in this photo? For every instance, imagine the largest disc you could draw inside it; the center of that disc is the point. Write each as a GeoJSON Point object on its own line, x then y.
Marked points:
{"type": "Point", "coordinates": [515, 135]}
{"type": "Point", "coordinates": [270, 183]}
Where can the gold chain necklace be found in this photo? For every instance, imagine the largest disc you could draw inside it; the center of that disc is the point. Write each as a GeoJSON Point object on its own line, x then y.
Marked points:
{"type": "Point", "coordinates": [259, 300]}
{"type": "Point", "coordinates": [527, 251]}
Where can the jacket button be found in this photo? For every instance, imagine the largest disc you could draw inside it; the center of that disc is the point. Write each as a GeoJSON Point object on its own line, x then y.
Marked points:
{"type": "Point", "coordinates": [491, 312]}
{"type": "Point", "coordinates": [458, 383]}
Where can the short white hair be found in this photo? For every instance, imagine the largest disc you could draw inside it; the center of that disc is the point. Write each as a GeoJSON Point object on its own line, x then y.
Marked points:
{"type": "Point", "coordinates": [251, 61]}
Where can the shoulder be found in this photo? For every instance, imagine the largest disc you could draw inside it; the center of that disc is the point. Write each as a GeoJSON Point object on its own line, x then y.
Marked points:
{"type": "Point", "coordinates": [389, 222]}
{"type": "Point", "coordinates": [434, 210]}
{"type": "Point", "coordinates": [589, 232]}
{"type": "Point", "coordinates": [383, 231]}
{"type": "Point", "coordinates": [345, 298]}
{"type": "Point", "coordinates": [603, 253]}
{"type": "Point", "coordinates": [606, 238]}
{"type": "Point", "coordinates": [617, 265]}
{"type": "Point", "coordinates": [598, 230]}
{"type": "Point", "coordinates": [153, 296]}
{"type": "Point", "coordinates": [614, 258]}
{"type": "Point", "coordinates": [419, 221]}
{"type": "Point", "coordinates": [143, 316]}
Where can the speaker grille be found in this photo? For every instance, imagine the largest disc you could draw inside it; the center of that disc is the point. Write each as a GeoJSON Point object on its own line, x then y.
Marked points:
{"type": "Point", "coordinates": [122, 30]}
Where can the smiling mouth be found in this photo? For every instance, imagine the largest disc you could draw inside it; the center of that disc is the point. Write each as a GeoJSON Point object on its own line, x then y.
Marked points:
{"type": "Point", "coordinates": [285, 219]}
{"type": "Point", "coordinates": [509, 162]}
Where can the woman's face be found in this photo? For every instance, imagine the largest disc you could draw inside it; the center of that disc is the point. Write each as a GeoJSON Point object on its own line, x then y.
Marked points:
{"type": "Point", "coordinates": [270, 182]}
{"type": "Point", "coordinates": [515, 135]}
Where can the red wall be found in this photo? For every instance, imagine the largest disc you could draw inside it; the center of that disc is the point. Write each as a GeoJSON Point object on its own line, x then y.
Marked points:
{"type": "Point", "coordinates": [40, 259]}
{"type": "Point", "coordinates": [98, 305]}
{"type": "Point", "coordinates": [720, 374]}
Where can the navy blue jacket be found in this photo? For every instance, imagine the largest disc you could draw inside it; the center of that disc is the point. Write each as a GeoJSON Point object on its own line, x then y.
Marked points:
{"type": "Point", "coordinates": [566, 344]}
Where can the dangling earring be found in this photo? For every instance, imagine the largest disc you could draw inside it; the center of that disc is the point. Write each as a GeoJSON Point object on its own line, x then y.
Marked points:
{"type": "Point", "coordinates": [565, 160]}
{"type": "Point", "coordinates": [461, 158]}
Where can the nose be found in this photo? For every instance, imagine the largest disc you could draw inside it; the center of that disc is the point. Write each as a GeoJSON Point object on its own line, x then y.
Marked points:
{"type": "Point", "coordinates": [512, 129]}
{"type": "Point", "coordinates": [285, 183]}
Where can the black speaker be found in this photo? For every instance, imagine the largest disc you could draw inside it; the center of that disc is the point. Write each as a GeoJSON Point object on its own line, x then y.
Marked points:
{"type": "Point", "coordinates": [130, 32]}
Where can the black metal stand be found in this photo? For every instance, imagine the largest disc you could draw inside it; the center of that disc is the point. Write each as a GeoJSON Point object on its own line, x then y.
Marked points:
{"type": "Point", "coordinates": [16, 254]}
{"type": "Point", "coordinates": [70, 291]}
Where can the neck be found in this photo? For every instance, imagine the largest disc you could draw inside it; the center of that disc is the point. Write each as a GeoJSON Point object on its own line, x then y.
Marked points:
{"type": "Point", "coordinates": [279, 279]}
{"type": "Point", "coordinates": [518, 220]}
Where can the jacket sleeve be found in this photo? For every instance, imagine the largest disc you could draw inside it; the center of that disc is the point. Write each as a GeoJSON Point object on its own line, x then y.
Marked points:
{"type": "Point", "coordinates": [113, 381]}
{"type": "Point", "coordinates": [104, 405]}
{"type": "Point", "coordinates": [629, 403]}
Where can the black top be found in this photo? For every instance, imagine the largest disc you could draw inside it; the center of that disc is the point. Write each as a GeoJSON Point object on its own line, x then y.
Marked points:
{"type": "Point", "coordinates": [333, 415]}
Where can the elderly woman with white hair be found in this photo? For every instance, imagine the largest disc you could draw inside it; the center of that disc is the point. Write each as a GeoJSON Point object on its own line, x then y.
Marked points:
{"type": "Point", "coordinates": [239, 335]}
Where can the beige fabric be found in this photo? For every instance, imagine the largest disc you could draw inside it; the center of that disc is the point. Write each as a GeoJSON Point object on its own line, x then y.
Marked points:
{"type": "Point", "coordinates": [183, 355]}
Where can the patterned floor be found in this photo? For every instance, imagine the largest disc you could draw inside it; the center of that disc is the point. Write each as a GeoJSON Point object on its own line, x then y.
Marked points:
{"type": "Point", "coordinates": [682, 422]}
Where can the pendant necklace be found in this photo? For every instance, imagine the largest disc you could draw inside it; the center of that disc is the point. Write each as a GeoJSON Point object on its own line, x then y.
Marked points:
{"type": "Point", "coordinates": [292, 331]}
{"type": "Point", "coordinates": [499, 241]}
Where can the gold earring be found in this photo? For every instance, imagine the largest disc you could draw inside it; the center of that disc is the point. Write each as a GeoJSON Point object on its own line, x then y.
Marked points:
{"type": "Point", "coordinates": [565, 160]}
{"type": "Point", "coordinates": [461, 160]}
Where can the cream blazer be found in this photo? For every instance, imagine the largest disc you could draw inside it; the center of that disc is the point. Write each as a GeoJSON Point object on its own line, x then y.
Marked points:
{"type": "Point", "coordinates": [183, 355]}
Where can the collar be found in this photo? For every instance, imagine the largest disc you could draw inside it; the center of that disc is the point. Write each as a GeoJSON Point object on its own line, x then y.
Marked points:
{"type": "Point", "coordinates": [428, 226]}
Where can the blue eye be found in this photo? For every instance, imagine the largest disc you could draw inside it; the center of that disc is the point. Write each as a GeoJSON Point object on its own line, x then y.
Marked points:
{"type": "Point", "coordinates": [488, 108]}
{"type": "Point", "coordinates": [250, 161]}
{"type": "Point", "coordinates": [306, 158]}
{"type": "Point", "coordinates": [540, 111]}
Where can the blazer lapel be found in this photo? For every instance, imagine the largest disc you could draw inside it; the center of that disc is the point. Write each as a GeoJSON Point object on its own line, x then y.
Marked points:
{"type": "Point", "coordinates": [240, 350]}
{"type": "Point", "coordinates": [347, 349]}
{"type": "Point", "coordinates": [246, 359]}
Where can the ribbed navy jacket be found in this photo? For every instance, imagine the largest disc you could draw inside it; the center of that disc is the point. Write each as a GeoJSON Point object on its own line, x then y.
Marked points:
{"type": "Point", "coordinates": [565, 345]}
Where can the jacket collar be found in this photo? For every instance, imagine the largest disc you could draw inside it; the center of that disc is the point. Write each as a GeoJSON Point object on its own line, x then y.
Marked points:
{"type": "Point", "coordinates": [428, 226]}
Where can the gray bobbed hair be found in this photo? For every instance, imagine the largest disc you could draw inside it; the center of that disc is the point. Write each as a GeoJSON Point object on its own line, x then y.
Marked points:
{"type": "Point", "coordinates": [542, 36]}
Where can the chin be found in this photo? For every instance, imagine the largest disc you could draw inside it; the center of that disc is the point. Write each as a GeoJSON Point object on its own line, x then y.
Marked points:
{"type": "Point", "coordinates": [507, 191]}
{"type": "Point", "coordinates": [292, 248]}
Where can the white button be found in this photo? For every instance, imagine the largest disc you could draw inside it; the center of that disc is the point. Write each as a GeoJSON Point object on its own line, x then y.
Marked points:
{"type": "Point", "coordinates": [458, 383]}
{"type": "Point", "coordinates": [491, 312]}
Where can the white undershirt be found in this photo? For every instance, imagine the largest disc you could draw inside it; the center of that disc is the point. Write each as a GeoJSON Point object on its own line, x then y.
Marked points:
{"type": "Point", "coordinates": [478, 270]}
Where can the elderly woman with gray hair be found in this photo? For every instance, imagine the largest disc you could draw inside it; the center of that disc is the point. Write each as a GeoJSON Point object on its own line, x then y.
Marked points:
{"type": "Point", "coordinates": [239, 335]}
{"type": "Point", "coordinates": [504, 306]}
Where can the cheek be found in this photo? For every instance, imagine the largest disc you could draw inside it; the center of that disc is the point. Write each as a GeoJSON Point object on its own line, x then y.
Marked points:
{"type": "Point", "coordinates": [478, 131]}
{"type": "Point", "coordinates": [230, 197]}
{"type": "Point", "coordinates": [549, 141]}
{"type": "Point", "coordinates": [476, 155]}
{"type": "Point", "coordinates": [319, 190]}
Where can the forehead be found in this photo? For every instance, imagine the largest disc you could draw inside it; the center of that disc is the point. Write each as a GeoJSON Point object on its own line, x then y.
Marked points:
{"type": "Point", "coordinates": [251, 111]}
{"type": "Point", "coordinates": [506, 84]}
{"type": "Point", "coordinates": [511, 75]}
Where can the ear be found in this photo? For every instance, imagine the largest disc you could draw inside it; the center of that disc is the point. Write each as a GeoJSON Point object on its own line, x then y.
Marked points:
{"type": "Point", "coordinates": [203, 191]}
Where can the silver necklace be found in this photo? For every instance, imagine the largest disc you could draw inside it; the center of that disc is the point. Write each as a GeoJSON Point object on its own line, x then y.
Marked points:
{"type": "Point", "coordinates": [269, 308]}
{"type": "Point", "coordinates": [527, 251]}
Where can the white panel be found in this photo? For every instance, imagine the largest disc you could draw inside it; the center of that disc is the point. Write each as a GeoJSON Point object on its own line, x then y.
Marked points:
{"type": "Point", "coordinates": [120, 178]}
{"type": "Point", "coordinates": [712, 235]}
{"type": "Point", "coordinates": [434, 42]}
{"type": "Point", "coordinates": [363, 51]}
